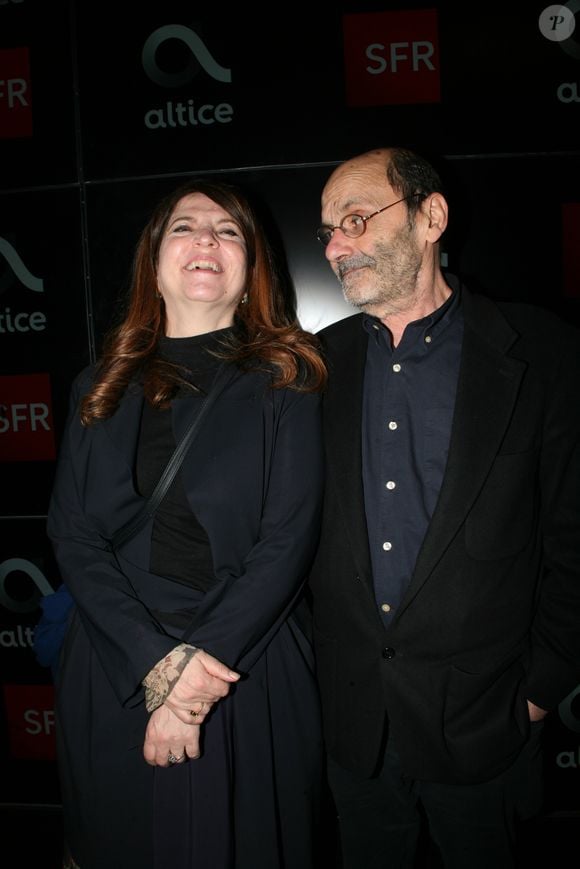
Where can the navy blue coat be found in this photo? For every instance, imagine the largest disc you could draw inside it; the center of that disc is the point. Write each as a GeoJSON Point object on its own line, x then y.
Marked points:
{"type": "Point", "coordinates": [254, 480]}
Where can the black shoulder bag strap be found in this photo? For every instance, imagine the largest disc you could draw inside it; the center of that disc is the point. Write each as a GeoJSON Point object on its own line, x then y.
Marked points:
{"type": "Point", "coordinates": [130, 528]}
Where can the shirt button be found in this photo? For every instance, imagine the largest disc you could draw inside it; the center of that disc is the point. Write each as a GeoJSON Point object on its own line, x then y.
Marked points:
{"type": "Point", "coordinates": [393, 425]}
{"type": "Point", "coordinates": [428, 339]}
{"type": "Point", "coordinates": [386, 607]}
{"type": "Point", "coordinates": [387, 545]}
{"type": "Point", "coordinates": [388, 653]}
{"type": "Point", "coordinates": [396, 367]}
{"type": "Point", "coordinates": [390, 484]}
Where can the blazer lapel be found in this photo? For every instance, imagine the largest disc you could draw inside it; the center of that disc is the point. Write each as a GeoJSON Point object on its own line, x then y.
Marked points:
{"type": "Point", "coordinates": [487, 390]}
{"type": "Point", "coordinates": [122, 428]}
{"type": "Point", "coordinates": [343, 438]}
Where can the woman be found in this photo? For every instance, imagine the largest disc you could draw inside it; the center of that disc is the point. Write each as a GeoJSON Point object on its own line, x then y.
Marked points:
{"type": "Point", "coordinates": [187, 716]}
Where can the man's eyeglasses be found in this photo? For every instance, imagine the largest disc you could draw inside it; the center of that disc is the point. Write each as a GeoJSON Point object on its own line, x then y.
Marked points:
{"type": "Point", "coordinates": [354, 225]}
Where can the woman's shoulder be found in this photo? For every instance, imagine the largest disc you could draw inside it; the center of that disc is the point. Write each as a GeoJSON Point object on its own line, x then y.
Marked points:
{"type": "Point", "coordinates": [82, 382]}
{"type": "Point", "coordinates": [85, 377]}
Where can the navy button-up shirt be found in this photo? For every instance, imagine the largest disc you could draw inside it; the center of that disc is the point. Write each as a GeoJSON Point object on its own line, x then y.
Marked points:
{"type": "Point", "coordinates": [408, 403]}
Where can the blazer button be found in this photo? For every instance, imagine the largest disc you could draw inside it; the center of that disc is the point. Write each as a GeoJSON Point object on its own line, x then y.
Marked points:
{"type": "Point", "coordinates": [388, 653]}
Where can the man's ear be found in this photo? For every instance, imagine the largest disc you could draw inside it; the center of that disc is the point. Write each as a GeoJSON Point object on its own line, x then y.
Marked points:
{"type": "Point", "coordinates": [436, 210]}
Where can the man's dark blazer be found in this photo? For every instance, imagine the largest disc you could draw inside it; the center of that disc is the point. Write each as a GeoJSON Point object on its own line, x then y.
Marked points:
{"type": "Point", "coordinates": [491, 615]}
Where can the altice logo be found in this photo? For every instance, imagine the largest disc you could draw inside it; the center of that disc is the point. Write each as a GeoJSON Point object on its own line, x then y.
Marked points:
{"type": "Point", "coordinates": [13, 259]}
{"type": "Point", "coordinates": [14, 567]}
{"type": "Point", "coordinates": [21, 321]}
{"type": "Point", "coordinates": [184, 113]}
{"type": "Point", "coordinates": [198, 50]}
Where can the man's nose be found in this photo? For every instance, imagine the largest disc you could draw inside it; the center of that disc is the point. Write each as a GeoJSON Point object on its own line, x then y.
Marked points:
{"type": "Point", "coordinates": [340, 245]}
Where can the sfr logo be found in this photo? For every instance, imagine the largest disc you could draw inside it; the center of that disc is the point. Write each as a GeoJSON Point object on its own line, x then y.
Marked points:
{"type": "Point", "coordinates": [15, 108]}
{"type": "Point", "coordinates": [26, 430]}
{"type": "Point", "coordinates": [30, 720]}
{"type": "Point", "coordinates": [391, 58]}
{"type": "Point", "coordinates": [570, 248]}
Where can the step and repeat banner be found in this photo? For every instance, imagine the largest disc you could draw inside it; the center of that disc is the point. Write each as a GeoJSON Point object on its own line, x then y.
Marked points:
{"type": "Point", "coordinates": [106, 106]}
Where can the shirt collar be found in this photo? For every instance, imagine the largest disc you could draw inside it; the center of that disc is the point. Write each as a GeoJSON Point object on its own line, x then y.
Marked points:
{"type": "Point", "coordinates": [433, 323]}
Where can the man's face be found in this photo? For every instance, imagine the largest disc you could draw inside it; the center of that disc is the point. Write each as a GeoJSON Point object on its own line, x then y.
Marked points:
{"type": "Point", "coordinates": [379, 269]}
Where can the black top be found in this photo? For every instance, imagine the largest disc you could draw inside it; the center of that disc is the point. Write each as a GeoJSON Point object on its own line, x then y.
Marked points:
{"type": "Point", "coordinates": [180, 547]}
{"type": "Point", "coordinates": [409, 398]}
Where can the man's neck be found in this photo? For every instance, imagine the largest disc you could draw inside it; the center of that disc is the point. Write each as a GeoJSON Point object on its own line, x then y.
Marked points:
{"type": "Point", "coordinates": [420, 305]}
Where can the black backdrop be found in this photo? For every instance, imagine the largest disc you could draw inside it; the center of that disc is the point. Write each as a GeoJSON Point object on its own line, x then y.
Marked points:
{"type": "Point", "coordinates": [105, 106]}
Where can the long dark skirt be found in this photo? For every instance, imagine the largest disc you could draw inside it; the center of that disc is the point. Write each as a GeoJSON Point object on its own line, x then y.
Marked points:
{"type": "Point", "coordinates": [251, 801]}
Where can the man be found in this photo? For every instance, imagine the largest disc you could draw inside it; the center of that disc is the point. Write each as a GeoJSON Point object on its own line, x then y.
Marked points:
{"type": "Point", "coordinates": [446, 587]}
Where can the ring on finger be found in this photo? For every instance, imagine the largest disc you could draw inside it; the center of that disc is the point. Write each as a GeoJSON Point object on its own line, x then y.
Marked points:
{"type": "Point", "coordinates": [195, 712]}
{"type": "Point", "coordinates": [174, 758]}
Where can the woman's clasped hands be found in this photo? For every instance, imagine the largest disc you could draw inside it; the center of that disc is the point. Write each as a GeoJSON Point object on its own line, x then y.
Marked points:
{"type": "Point", "coordinates": [173, 731]}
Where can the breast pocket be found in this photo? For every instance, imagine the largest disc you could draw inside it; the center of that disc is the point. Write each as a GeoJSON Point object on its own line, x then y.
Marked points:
{"type": "Point", "coordinates": [501, 521]}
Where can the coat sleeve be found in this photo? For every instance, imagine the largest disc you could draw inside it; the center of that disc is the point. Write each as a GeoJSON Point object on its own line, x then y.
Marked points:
{"type": "Point", "coordinates": [555, 663]}
{"type": "Point", "coordinates": [238, 618]}
{"type": "Point", "coordinates": [124, 635]}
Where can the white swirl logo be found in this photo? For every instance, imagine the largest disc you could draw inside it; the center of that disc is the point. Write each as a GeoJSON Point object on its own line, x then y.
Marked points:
{"type": "Point", "coordinates": [21, 272]}
{"type": "Point", "coordinates": [197, 48]}
{"type": "Point", "coordinates": [569, 714]}
{"type": "Point", "coordinates": [21, 565]}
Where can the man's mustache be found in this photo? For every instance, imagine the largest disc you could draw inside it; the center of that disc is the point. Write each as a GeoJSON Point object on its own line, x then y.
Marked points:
{"type": "Point", "coordinates": [359, 261]}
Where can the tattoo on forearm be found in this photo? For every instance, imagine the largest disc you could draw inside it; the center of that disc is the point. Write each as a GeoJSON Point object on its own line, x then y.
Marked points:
{"type": "Point", "coordinates": [161, 679]}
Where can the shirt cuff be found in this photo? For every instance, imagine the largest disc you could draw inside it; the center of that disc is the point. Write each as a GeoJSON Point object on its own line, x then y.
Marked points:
{"type": "Point", "coordinates": [160, 680]}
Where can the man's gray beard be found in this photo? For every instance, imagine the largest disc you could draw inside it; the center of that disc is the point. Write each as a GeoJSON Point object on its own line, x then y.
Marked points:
{"type": "Point", "coordinates": [392, 275]}
{"type": "Point", "coordinates": [354, 262]}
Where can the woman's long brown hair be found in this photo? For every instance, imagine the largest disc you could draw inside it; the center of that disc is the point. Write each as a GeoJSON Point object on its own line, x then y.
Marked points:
{"type": "Point", "coordinates": [265, 332]}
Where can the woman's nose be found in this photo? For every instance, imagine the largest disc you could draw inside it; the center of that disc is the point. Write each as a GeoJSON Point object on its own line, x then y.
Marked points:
{"type": "Point", "coordinates": [205, 235]}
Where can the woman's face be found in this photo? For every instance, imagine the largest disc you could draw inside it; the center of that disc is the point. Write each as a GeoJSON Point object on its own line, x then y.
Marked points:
{"type": "Point", "coordinates": [202, 267]}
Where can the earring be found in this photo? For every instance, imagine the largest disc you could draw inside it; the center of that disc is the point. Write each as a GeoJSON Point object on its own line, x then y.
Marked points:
{"type": "Point", "coordinates": [244, 299]}
{"type": "Point", "coordinates": [158, 294]}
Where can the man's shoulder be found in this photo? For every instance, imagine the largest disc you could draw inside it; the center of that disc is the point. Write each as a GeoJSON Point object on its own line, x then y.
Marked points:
{"type": "Point", "coordinates": [341, 329]}
{"type": "Point", "coordinates": [535, 318]}
{"type": "Point", "coordinates": [529, 320]}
